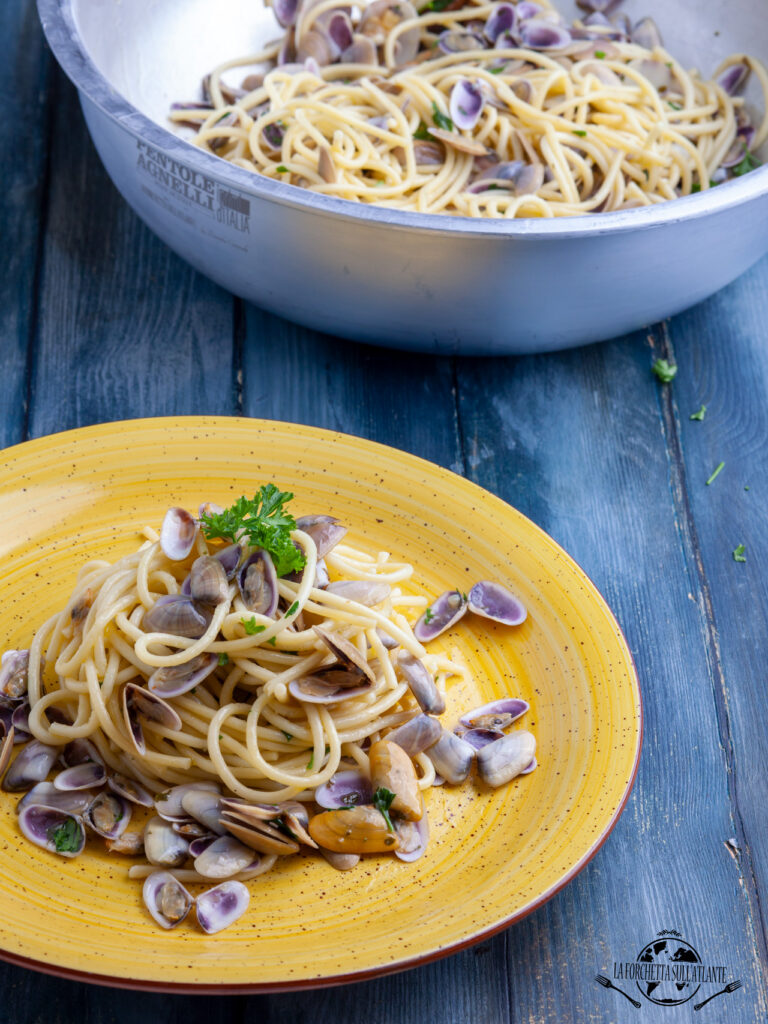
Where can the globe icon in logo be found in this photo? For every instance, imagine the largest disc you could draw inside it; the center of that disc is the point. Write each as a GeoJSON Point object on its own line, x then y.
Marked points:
{"type": "Point", "coordinates": [665, 983]}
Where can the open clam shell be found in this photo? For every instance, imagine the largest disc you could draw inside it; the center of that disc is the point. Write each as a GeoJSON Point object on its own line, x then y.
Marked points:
{"type": "Point", "coordinates": [367, 592]}
{"type": "Point", "coordinates": [223, 858]}
{"type": "Point", "coordinates": [205, 807]}
{"type": "Point", "coordinates": [413, 837]}
{"type": "Point", "coordinates": [259, 835]}
{"type": "Point", "coordinates": [81, 776]}
{"type": "Point", "coordinates": [6, 747]}
{"type": "Point", "coordinates": [45, 794]}
{"type": "Point", "coordinates": [257, 581]}
{"type": "Point", "coordinates": [346, 653]}
{"type": "Point", "coordinates": [417, 735]}
{"type": "Point", "coordinates": [139, 703]}
{"type": "Point", "coordinates": [345, 789]}
{"type": "Point", "coordinates": [498, 714]}
{"type": "Point", "coordinates": [163, 846]}
{"type": "Point", "coordinates": [443, 613]}
{"type": "Point", "coordinates": [421, 683]}
{"type": "Point", "coordinates": [80, 751]}
{"type": "Point", "coordinates": [452, 757]}
{"type": "Point", "coordinates": [166, 899]}
{"type": "Point", "coordinates": [177, 534]}
{"type": "Point", "coordinates": [493, 601]}
{"type": "Point", "coordinates": [53, 829]}
{"type": "Point", "coordinates": [108, 815]}
{"type": "Point", "coordinates": [208, 580]}
{"type": "Point", "coordinates": [221, 906]}
{"type": "Point", "coordinates": [169, 805]}
{"type": "Point", "coordinates": [177, 615]}
{"type": "Point", "coordinates": [174, 680]}
{"type": "Point", "coordinates": [32, 765]}
{"type": "Point", "coordinates": [14, 666]}
{"type": "Point", "coordinates": [316, 690]}
{"type": "Point", "coordinates": [508, 757]}
{"type": "Point", "coordinates": [130, 790]}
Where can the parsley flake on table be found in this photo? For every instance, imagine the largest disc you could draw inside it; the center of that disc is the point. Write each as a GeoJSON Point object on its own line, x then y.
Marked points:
{"type": "Point", "coordinates": [382, 801]}
{"type": "Point", "coordinates": [263, 522]}
{"type": "Point", "coordinates": [664, 370]}
{"type": "Point", "coordinates": [738, 553]}
{"type": "Point", "coordinates": [716, 473]}
{"type": "Point", "coordinates": [698, 415]}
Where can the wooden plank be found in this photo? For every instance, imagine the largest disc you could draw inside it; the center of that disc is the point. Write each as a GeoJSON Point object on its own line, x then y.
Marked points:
{"type": "Point", "coordinates": [575, 441]}
{"type": "Point", "coordinates": [720, 348]}
{"type": "Point", "coordinates": [125, 328]}
{"type": "Point", "coordinates": [24, 70]}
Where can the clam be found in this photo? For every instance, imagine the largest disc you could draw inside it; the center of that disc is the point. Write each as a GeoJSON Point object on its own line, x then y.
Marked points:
{"type": "Point", "coordinates": [177, 615]}
{"type": "Point", "coordinates": [340, 35]}
{"type": "Point", "coordinates": [732, 80]}
{"type": "Point", "coordinates": [346, 653]}
{"type": "Point", "coordinates": [139, 704]}
{"type": "Point", "coordinates": [454, 41]}
{"type": "Point", "coordinates": [341, 861]}
{"type": "Point", "coordinates": [361, 51]}
{"type": "Point", "coordinates": [108, 815]}
{"type": "Point", "coordinates": [381, 17]}
{"type": "Point", "coordinates": [259, 834]}
{"type": "Point", "coordinates": [466, 104]}
{"type": "Point", "coordinates": [360, 829]}
{"type": "Point", "coordinates": [392, 769]}
{"type": "Point", "coordinates": [169, 804]}
{"type": "Point", "coordinates": [295, 820]}
{"type": "Point", "coordinates": [6, 747]}
{"type": "Point", "coordinates": [452, 757]}
{"type": "Point", "coordinates": [90, 775]}
{"type": "Point", "coordinates": [177, 534]}
{"type": "Point", "coordinates": [538, 34]}
{"type": "Point", "coordinates": [646, 33]}
{"type": "Point", "coordinates": [315, 44]}
{"type": "Point", "coordinates": [131, 844]}
{"type": "Point", "coordinates": [497, 715]}
{"type": "Point", "coordinates": [208, 580]}
{"type": "Point", "coordinates": [479, 738]}
{"type": "Point", "coordinates": [440, 615]}
{"type": "Point", "coordinates": [503, 760]}
{"type": "Point", "coordinates": [493, 601]}
{"type": "Point", "coordinates": [174, 680]}
{"type": "Point", "coordinates": [80, 751]}
{"type": "Point", "coordinates": [516, 175]}
{"type": "Point", "coordinates": [417, 735]}
{"type": "Point", "coordinates": [54, 830]}
{"type": "Point", "coordinates": [421, 683]}
{"type": "Point", "coordinates": [286, 11]}
{"type": "Point", "coordinates": [257, 581]}
{"type": "Point", "coordinates": [223, 858]}
{"type": "Point", "coordinates": [367, 592]}
{"type": "Point", "coordinates": [14, 666]}
{"type": "Point", "coordinates": [344, 789]}
{"type": "Point", "coordinates": [413, 837]}
{"type": "Point", "coordinates": [458, 142]}
{"type": "Point", "coordinates": [32, 765]}
{"type": "Point", "coordinates": [428, 154]}
{"type": "Point", "coordinates": [200, 843]}
{"type": "Point", "coordinates": [326, 168]}
{"type": "Point", "coordinates": [130, 790]}
{"type": "Point", "coordinates": [205, 807]}
{"type": "Point", "coordinates": [20, 722]}
{"type": "Point", "coordinates": [502, 19]}
{"type": "Point", "coordinates": [166, 899]}
{"type": "Point", "coordinates": [45, 794]}
{"type": "Point", "coordinates": [221, 906]}
{"type": "Point", "coordinates": [190, 829]}
{"type": "Point", "coordinates": [339, 685]}
{"type": "Point", "coordinates": [526, 9]}
{"type": "Point", "coordinates": [163, 846]}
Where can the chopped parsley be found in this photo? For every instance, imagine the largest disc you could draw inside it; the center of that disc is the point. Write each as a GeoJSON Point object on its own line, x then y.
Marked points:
{"type": "Point", "coordinates": [698, 415]}
{"type": "Point", "coordinates": [382, 801]}
{"type": "Point", "coordinates": [262, 521]}
{"type": "Point", "coordinates": [428, 615]}
{"type": "Point", "coordinates": [283, 169]}
{"type": "Point", "coordinates": [251, 626]}
{"type": "Point", "coordinates": [675, 106]}
{"type": "Point", "coordinates": [422, 133]}
{"type": "Point", "coordinates": [498, 70]}
{"type": "Point", "coordinates": [288, 735]}
{"type": "Point", "coordinates": [272, 641]}
{"type": "Point", "coordinates": [293, 609]}
{"type": "Point", "coordinates": [223, 658]}
{"type": "Point", "coordinates": [695, 187]}
{"type": "Point", "coordinates": [738, 553]}
{"type": "Point", "coordinates": [579, 132]}
{"type": "Point", "coordinates": [441, 120]}
{"type": "Point", "coordinates": [437, 5]}
{"type": "Point", "coordinates": [664, 370]}
{"type": "Point", "coordinates": [716, 474]}
{"type": "Point", "coordinates": [600, 54]}
{"type": "Point", "coordinates": [66, 836]}
{"type": "Point", "coordinates": [749, 163]}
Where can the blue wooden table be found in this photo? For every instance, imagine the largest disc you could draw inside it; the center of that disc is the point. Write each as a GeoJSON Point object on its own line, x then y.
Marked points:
{"type": "Point", "coordinates": [99, 321]}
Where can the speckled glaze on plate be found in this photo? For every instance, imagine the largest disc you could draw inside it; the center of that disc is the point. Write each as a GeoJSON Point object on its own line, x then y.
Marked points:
{"type": "Point", "coordinates": [493, 857]}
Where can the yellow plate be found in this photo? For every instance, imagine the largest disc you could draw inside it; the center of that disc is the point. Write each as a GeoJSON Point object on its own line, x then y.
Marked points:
{"type": "Point", "coordinates": [492, 857]}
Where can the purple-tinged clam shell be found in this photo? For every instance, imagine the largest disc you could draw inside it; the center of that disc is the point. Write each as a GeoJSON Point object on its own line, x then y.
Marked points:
{"type": "Point", "coordinates": [312, 690]}
{"type": "Point", "coordinates": [230, 558]}
{"type": "Point", "coordinates": [257, 581]}
{"type": "Point", "coordinates": [210, 508]}
{"type": "Point", "coordinates": [166, 898]}
{"type": "Point", "coordinates": [341, 861]}
{"type": "Point", "coordinates": [498, 714]}
{"type": "Point", "coordinates": [80, 751]}
{"type": "Point", "coordinates": [314, 45]}
{"type": "Point", "coordinates": [53, 829]}
{"type": "Point", "coordinates": [346, 653]}
{"type": "Point", "coordinates": [501, 761]}
{"type": "Point", "coordinates": [527, 10]}
{"type": "Point", "coordinates": [173, 680]}
{"type": "Point", "coordinates": [367, 592]}
{"type": "Point", "coordinates": [163, 846]}
{"type": "Point", "coordinates": [413, 836]}
{"type": "Point", "coordinates": [322, 579]}
{"type": "Point", "coordinates": [139, 704]}
{"type": "Point", "coordinates": [108, 815]}
{"type": "Point", "coordinates": [325, 531]}
{"type": "Point", "coordinates": [205, 807]}
{"type": "Point", "coordinates": [273, 135]}
{"type": "Point", "coordinates": [177, 534]}
{"type": "Point", "coordinates": [201, 843]}
{"type": "Point", "coordinates": [362, 51]}
{"type": "Point", "coordinates": [452, 757]}
{"type": "Point", "coordinates": [479, 738]}
{"type": "Point", "coordinates": [493, 601]}
{"type": "Point", "coordinates": [81, 776]}
{"type": "Point", "coordinates": [466, 104]}
{"type": "Point", "coordinates": [221, 906]}
{"type": "Point", "coordinates": [421, 683]}
{"type": "Point", "coordinates": [130, 790]}
{"type": "Point", "coordinates": [340, 35]}
{"type": "Point", "coordinates": [223, 858]}
{"type": "Point", "coordinates": [538, 34]}
{"type": "Point", "coordinates": [169, 806]}
{"type": "Point", "coordinates": [208, 580]}
{"type": "Point", "coordinates": [32, 765]}
{"type": "Point", "coordinates": [190, 829]}
{"type": "Point", "coordinates": [19, 719]}
{"type": "Point", "coordinates": [531, 767]}
{"type": "Point", "coordinates": [178, 615]}
{"type": "Point", "coordinates": [732, 80]}
{"type": "Point", "coordinates": [417, 735]}
{"type": "Point", "coordinates": [14, 666]}
{"type": "Point", "coordinates": [344, 789]}
{"type": "Point", "coordinates": [646, 33]}
{"type": "Point", "coordinates": [6, 747]}
{"type": "Point", "coordinates": [440, 615]}
{"type": "Point", "coordinates": [45, 794]}
{"type": "Point", "coordinates": [453, 41]}
{"type": "Point", "coordinates": [741, 146]}
{"type": "Point", "coordinates": [502, 19]}
{"type": "Point", "coordinates": [285, 11]}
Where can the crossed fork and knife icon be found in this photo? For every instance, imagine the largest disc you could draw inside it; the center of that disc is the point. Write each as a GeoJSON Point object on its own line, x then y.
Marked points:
{"type": "Point", "coordinates": [607, 983]}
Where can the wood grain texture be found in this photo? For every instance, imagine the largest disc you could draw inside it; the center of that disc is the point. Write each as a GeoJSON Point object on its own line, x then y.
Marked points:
{"type": "Point", "coordinates": [24, 72]}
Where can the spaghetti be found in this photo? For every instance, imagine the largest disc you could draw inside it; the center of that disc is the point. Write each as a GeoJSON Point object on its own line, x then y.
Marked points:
{"type": "Point", "coordinates": [479, 109]}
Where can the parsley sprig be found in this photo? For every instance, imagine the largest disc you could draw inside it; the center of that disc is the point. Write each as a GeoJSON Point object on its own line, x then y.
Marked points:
{"type": "Point", "coordinates": [263, 522]}
{"type": "Point", "coordinates": [382, 801]}
{"type": "Point", "coordinates": [441, 120]}
{"type": "Point", "coordinates": [664, 370]}
{"type": "Point", "coordinates": [66, 836]}
{"type": "Point", "coordinates": [749, 163]}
